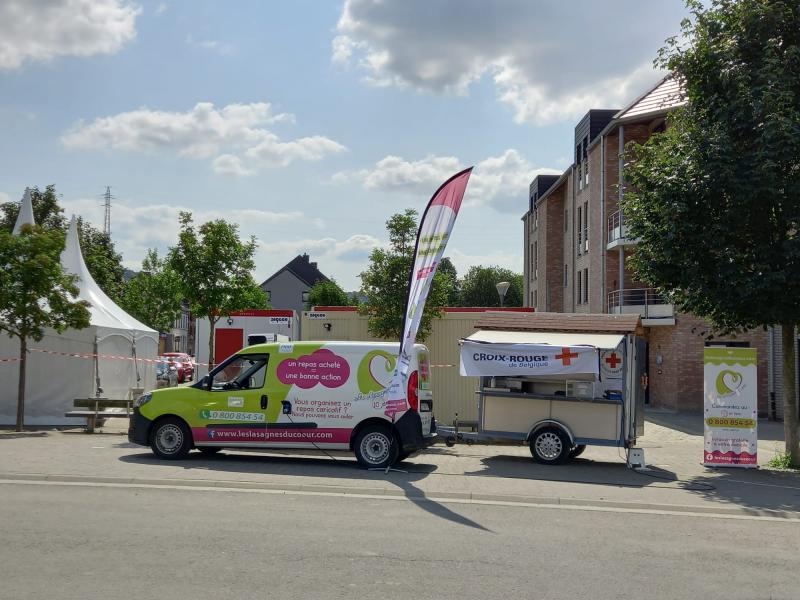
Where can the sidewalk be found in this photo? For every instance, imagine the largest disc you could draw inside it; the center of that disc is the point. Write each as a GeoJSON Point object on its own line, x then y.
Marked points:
{"type": "Point", "coordinates": [673, 444]}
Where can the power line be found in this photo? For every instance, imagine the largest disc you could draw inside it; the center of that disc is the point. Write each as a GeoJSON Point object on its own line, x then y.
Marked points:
{"type": "Point", "coordinates": [107, 220]}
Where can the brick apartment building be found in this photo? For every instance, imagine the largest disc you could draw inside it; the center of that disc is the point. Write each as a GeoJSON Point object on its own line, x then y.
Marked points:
{"type": "Point", "coordinates": [576, 248]}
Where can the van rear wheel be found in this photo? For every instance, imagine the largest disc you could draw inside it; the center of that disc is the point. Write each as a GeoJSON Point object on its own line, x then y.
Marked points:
{"type": "Point", "coordinates": [375, 447]}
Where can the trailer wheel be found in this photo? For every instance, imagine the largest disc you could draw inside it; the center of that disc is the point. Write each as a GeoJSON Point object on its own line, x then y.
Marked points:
{"type": "Point", "coordinates": [550, 446]}
{"type": "Point", "coordinates": [450, 441]}
{"type": "Point", "coordinates": [577, 450]}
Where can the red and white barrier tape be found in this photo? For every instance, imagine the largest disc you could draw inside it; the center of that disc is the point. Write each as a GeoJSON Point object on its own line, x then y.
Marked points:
{"type": "Point", "coordinates": [117, 357]}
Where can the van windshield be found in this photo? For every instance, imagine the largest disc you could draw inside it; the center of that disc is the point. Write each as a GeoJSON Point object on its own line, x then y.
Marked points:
{"type": "Point", "coordinates": [240, 372]}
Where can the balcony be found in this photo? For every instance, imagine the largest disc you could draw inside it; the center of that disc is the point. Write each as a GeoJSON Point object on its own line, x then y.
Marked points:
{"type": "Point", "coordinates": [617, 234]}
{"type": "Point", "coordinates": [645, 302]}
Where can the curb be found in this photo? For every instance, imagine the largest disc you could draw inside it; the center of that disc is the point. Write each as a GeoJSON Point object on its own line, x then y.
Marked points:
{"type": "Point", "coordinates": [414, 496]}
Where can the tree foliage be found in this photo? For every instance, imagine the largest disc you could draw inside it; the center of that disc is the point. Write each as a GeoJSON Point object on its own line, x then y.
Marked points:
{"type": "Point", "coordinates": [153, 295]}
{"type": "Point", "coordinates": [479, 287]}
{"type": "Point", "coordinates": [715, 200]}
{"type": "Point", "coordinates": [449, 272]}
{"type": "Point", "coordinates": [385, 282]}
{"type": "Point", "coordinates": [327, 293]}
{"type": "Point", "coordinates": [215, 269]}
{"type": "Point", "coordinates": [35, 293]}
{"type": "Point", "coordinates": [102, 259]}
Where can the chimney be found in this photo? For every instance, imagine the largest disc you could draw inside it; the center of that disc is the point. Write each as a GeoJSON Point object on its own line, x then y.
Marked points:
{"type": "Point", "coordinates": [305, 257]}
{"type": "Point", "coordinates": [314, 265]}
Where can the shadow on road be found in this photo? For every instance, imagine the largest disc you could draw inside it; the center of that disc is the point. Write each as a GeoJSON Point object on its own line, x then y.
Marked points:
{"type": "Point", "coordinates": [758, 490]}
{"type": "Point", "coordinates": [312, 465]}
{"type": "Point", "coordinates": [578, 470]}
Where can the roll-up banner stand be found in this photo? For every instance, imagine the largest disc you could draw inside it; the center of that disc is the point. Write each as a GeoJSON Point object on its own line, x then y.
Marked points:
{"type": "Point", "coordinates": [730, 413]}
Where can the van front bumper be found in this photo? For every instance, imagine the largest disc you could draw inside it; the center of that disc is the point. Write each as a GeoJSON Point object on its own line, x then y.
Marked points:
{"type": "Point", "coordinates": [139, 429]}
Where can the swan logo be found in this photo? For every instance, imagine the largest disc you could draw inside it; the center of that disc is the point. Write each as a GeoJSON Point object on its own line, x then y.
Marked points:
{"type": "Point", "coordinates": [375, 371]}
{"type": "Point", "coordinates": [728, 383]}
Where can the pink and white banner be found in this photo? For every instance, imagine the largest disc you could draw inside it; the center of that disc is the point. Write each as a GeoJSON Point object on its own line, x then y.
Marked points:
{"type": "Point", "coordinates": [434, 231]}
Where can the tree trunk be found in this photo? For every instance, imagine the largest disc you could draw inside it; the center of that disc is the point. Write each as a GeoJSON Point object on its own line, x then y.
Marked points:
{"type": "Point", "coordinates": [212, 326]}
{"type": "Point", "coordinates": [790, 416]}
{"type": "Point", "coordinates": [23, 351]}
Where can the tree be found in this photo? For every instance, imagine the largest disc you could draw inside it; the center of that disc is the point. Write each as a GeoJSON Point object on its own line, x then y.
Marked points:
{"type": "Point", "coordinates": [35, 293]}
{"type": "Point", "coordinates": [478, 287]}
{"type": "Point", "coordinates": [102, 260]}
{"type": "Point", "coordinates": [153, 295]}
{"type": "Point", "coordinates": [385, 282]}
{"type": "Point", "coordinates": [448, 271]}
{"type": "Point", "coordinates": [715, 199]}
{"type": "Point", "coordinates": [327, 293]}
{"type": "Point", "coordinates": [215, 267]}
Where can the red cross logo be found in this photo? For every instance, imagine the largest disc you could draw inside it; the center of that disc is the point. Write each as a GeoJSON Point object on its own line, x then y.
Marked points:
{"type": "Point", "coordinates": [613, 360]}
{"type": "Point", "coordinates": [566, 355]}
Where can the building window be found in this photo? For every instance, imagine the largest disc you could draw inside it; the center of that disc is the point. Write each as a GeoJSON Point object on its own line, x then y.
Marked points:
{"type": "Point", "coordinates": [535, 298]}
{"type": "Point", "coordinates": [535, 219]}
{"type": "Point", "coordinates": [269, 296]}
{"type": "Point", "coordinates": [535, 259]}
{"type": "Point", "coordinates": [578, 228]}
{"type": "Point", "coordinates": [586, 226]}
{"type": "Point", "coordinates": [578, 289]}
{"type": "Point", "coordinates": [566, 275]}
{"type": "Point", "coordinates": [586, 286]}
{"type": "Point", "coordinates": [566, 219]}
{"type": "Point", "coordinates": [305, 296]}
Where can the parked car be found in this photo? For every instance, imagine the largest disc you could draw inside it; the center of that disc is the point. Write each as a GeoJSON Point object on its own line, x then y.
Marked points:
{"type": "Point", "coordinates": [183, 363]}
{"type": "Point", "coordinates": [166, 373]}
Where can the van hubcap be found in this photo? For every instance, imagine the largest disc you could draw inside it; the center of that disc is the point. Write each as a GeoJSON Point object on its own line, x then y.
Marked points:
{"type": "Point", "coordinates": [375, 447]}
{"type": "Point", "coordinates": [548, 445]}
{"type": "Point", "coordinates": [169, 438]}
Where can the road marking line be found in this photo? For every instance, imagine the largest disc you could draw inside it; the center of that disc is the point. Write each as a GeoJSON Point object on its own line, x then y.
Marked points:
{"type": "Point", "coordinates": [431, 498]}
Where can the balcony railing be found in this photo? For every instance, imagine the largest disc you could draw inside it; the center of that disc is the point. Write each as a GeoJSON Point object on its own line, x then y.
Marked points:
{"type": "Point", "coordinates": [646, 302]}
{"type": "Point", "coordinates": [616, 227]}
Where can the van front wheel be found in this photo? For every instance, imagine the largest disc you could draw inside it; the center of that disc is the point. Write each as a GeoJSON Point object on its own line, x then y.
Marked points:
{"type": "Point", "coordinates": [171, 439]}
{"type": "Point", "coordinates": [375, 447]}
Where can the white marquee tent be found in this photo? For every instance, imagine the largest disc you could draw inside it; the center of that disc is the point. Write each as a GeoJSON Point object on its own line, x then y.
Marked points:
{"type": "Point", "coordinates": [54, 377]}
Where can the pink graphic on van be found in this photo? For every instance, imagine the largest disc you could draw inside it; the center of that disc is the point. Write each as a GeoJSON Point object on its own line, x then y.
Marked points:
{"type": "Point", "coordinates": [321, 366]}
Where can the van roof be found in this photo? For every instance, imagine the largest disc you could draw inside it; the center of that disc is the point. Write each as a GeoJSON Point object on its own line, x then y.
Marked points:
{"type": "Point", "coordinates": [271, 346]}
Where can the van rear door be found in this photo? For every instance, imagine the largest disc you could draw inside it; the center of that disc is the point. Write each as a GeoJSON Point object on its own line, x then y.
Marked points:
{"type": "Point", "coordinates": [424, 392]}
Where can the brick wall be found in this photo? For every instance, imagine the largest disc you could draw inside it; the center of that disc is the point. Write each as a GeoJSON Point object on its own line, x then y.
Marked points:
{"type": "Point", "coordinates": [678, 382]}
{"type": "Point", "coordinates": [551, 252]}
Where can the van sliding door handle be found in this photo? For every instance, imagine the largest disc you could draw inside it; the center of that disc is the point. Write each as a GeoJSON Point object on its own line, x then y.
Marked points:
{"type": "Point", "coordinates": [264, 401]}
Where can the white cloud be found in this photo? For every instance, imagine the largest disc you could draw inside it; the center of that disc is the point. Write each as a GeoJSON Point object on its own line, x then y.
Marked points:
{"type": "Point", "coordinates": [4, 198]}
{"type": "Point", "coordinates": [549, 60]}
{"type": "Point", "coordinates": [136, 227]}
{"type": "Point", "coordinates": [463, 261]}
{"type": "Point", "coordinates": [45, 29]}
{"type": "Point", "coordinates": [234, 134]}
{"type": "Point", "coordinates": [228, 164]}
{"type": "Point", "coordinates": [497, 181]}
{"type": "Point", "coordinates": [212, 45]}
{"type": "Point", "coordinates": [161, 8]}
{"type": "Point", "coordinates": [356, 248]}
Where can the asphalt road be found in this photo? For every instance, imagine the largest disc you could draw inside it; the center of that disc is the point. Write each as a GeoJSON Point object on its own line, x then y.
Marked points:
{"type": "Point", "coordinates": [81, 541]}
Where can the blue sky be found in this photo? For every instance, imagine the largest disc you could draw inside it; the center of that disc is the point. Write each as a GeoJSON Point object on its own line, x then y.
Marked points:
{"type": "Point", "coordinates": [310, 123]}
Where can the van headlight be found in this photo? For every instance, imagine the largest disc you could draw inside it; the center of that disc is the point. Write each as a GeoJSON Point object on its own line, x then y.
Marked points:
{"type": "Point", "coordinates": [143, 399]}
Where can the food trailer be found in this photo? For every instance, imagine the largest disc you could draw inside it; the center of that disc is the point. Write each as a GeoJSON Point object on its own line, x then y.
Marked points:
{"type": "Point", "coordinates": [557, 382]}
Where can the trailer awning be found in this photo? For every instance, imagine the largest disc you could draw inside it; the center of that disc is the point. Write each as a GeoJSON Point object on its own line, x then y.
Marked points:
{"type": "Point", "coordinates": [525, 353]}
{"type": "Point", "coordinates": [602, 341]}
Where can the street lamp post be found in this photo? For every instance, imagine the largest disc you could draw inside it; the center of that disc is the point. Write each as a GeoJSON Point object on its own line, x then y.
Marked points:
{"type": "Point", "coordinates": [502, 288]}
